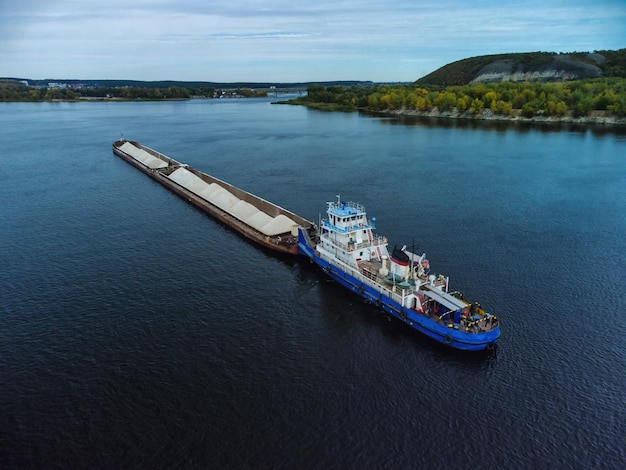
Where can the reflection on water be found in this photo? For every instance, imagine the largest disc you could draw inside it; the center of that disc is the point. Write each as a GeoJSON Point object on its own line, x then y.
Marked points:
{"type": "Point", "coordinates": [497, 125]}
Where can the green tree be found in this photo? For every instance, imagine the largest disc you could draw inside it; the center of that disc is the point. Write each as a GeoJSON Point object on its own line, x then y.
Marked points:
{"type": "Point", "coordinates": [373, 101]}
{"type": "Point", "coordinates": [477, 106]}
{"type": "Point", "coordinates": [605, 100]}
{"type": "Point", "coordinates": [396, 98]}
{"type": "Point", "coordinates": [490, 99]}
{"type": "Point", "coordinates": [410, 102]}
{"type": "Point", "coordinates": [528, 110]}
{"type": "Point", "coordinates": [502, 107]}
{"type": "Point", "coordinates": [445, 101]}
{"type": "Point", "coordinates": [462, 103]}
{"type": "Point", "coordinates": [584, 106]}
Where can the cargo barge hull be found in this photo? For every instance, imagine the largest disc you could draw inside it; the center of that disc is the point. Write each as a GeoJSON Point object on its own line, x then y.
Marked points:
{"type": "Point", "coordinates": [257, 219]}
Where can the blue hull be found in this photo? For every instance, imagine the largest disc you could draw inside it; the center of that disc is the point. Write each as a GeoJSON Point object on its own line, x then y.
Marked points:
{"type": "Point", "coordinates": [449, 336]}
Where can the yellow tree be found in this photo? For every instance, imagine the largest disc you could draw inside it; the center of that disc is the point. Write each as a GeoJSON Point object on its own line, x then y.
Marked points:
{"type": "Point", "coordinates": [423, 103]}
{"type": "Point", "coordinates": [462, 103]}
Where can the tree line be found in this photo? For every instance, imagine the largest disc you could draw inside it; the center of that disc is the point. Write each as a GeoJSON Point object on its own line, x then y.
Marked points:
{"type": "Point", "coordinates": [578, 98]}
{"type": "Point", "coordinates": [14, 92]}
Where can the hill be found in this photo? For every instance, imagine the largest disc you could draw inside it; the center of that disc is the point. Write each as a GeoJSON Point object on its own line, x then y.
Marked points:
{"type": "Point", "coordinates": [529, 67]}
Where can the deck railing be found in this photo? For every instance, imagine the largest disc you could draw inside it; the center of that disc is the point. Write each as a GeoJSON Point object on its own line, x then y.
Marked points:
{"type": "Point", "coordinates": [376, 241]}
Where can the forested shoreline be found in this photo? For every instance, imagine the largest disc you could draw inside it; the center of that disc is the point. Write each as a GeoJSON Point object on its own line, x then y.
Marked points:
{"type": "Point", "coordinates": [596, 99]}
{"type": "Point", "coordinates": [599, 100]}
{"type": "Point", "coordinates": [11, 92]}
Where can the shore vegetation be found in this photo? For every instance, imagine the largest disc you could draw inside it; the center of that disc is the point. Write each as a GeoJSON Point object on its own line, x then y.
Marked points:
{"type": "Point", "coordinates": [504, 99]}
{"type": "Point", "coordinates": [12, 91]}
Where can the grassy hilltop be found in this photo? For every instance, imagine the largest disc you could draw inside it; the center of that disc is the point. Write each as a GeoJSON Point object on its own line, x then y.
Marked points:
{"type": "Point", "coordinates": [532, 66]}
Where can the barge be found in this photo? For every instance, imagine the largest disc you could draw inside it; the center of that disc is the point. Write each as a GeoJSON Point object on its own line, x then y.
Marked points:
{"type": "Point", "coordinates": [261, 221]}
{"type": "Point", "coordinates": [401, 284]}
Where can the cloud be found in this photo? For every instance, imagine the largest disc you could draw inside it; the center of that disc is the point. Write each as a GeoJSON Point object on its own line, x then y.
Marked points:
{"type": "Point", "coordinates": [209, 40]}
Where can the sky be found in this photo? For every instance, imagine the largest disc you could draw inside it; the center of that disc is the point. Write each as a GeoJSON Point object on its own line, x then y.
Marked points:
{"type": "Point", "coordinates": [288, 40]}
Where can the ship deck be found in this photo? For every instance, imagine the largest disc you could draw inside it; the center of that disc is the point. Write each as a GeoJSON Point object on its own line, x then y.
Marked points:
{"type": "Point", "coordinates": [475, 323]}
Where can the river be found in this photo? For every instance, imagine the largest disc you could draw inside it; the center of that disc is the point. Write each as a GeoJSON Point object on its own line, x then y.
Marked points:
{"type": "Point", "coordinates": [136, 332]}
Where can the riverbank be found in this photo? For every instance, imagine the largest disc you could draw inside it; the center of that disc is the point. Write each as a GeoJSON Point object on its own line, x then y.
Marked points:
{"type": "Point", "coordinates": [602, 118]}
{"type": "Point", "coordinates": [594, 118]}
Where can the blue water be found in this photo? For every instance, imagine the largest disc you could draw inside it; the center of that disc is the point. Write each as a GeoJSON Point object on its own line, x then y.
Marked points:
{"type": "Point", "coordinates": [135, 332]}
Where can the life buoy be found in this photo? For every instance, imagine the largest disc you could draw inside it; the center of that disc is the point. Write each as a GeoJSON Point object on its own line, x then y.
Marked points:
{"type": "Point", "coordinates": [447, 339]}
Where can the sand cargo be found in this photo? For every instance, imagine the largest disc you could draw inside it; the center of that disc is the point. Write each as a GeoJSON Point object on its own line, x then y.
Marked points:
{"type": "Point", "coordinates": [257, 219]}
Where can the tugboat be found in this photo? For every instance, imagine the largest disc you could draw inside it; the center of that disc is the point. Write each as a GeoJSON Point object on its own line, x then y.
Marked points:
{"type": "Point", "coordinates": [349, 252]}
